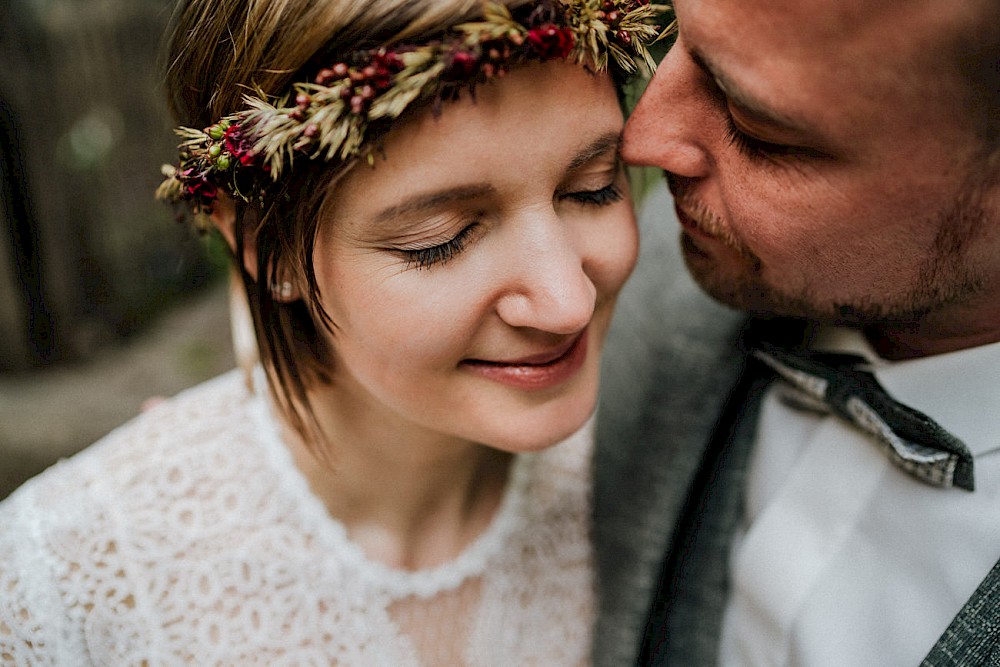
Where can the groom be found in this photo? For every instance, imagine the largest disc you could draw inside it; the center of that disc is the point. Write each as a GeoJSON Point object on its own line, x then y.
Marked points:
{"type": "Point", "coordinates": [835, 172]}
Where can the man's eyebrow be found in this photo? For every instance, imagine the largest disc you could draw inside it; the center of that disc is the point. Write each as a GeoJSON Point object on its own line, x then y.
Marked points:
{"type": "Point", "coordinates": [430, 201]}
{"type": "Point", "coordinates": [744, 101]}
{"type": "Point", "coordinates": [596, 148]}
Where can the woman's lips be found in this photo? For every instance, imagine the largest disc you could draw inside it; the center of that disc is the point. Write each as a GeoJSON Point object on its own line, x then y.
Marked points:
{"type": "Point", "coordinates": [537, 371]}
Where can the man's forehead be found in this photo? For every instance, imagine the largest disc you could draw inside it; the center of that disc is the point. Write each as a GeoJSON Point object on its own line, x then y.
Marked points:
{"type": "Point", "coordinates": [837, 40]}
{"type": "Point", "coordinates": [892, 20]}
{"type": "Point", "coordinates": [830, 64]}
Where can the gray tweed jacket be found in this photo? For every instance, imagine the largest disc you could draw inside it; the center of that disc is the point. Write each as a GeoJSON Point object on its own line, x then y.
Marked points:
{"type": "Point", "coordinates": [674, 383]}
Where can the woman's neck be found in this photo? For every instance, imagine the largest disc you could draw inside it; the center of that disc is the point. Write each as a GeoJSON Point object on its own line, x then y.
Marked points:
{"type": "Point", "coordinates": [410, 498]}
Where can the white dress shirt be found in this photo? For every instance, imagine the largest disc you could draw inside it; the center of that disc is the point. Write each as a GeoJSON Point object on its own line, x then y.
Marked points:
{"type": "Point", "coordinates": [844, 559]}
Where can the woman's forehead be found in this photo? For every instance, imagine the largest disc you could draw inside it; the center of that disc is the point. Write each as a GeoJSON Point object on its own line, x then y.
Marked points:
{"type": "Point", "coordinates": [540, 122]}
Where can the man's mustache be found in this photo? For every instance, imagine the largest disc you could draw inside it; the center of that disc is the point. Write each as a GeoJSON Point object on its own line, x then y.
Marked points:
{"type": "Point", "coordinates": [702, 217]}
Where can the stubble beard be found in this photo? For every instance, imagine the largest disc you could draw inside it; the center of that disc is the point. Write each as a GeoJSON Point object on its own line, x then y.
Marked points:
{"type": "Point", "coordinates": [944, 280]}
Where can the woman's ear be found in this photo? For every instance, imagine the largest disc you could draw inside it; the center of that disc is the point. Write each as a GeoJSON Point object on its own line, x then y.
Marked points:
{"type": "Point", "coordinates": [223, 216]}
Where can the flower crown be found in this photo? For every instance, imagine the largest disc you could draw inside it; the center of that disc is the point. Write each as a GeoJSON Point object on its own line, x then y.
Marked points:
{"type": "Point", "coordinates": [244, 153]}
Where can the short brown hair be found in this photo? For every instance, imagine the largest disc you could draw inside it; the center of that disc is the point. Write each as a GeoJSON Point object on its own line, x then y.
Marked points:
{"type": "Point", "coordinates": [221, 49]}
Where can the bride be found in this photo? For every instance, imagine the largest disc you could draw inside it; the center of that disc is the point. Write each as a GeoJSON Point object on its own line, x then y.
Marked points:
{"type": "Point", "coordinates": [428, 209]}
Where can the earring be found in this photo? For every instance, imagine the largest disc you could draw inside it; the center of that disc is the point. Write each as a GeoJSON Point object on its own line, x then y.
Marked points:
{"type": "Point", "coordinates": [282, 290]}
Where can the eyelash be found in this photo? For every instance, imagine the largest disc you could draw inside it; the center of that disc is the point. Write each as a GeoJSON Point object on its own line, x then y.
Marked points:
{"type": "Point", "coordinates": [759, 150]}
{"type": "Point", "coordinates": [752, 147]}
{"type": "Point", "coordinates": [422, 258]}
{"type": "Point", "coordinates": [609, 194]}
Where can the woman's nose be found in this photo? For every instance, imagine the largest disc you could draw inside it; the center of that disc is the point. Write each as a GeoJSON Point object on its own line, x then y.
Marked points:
{"type": "Point", "coordinates": [667, 126]}
{"type": "Point", "coordinates": [549, 289]}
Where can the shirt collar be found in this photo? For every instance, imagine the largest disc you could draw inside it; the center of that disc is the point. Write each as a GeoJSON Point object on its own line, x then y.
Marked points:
{"type": "Point", "coordinates": [960, 390]}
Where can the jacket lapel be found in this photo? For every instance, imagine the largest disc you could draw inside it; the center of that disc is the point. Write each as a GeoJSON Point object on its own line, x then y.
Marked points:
{"type": "Point", "coordinates": [669, 364]}
{"type": "Point", "coordinates": [685, 620]}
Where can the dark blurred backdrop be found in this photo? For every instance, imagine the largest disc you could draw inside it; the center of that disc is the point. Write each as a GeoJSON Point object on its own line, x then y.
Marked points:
{"type": "Point", "coordinates": [92, 267]}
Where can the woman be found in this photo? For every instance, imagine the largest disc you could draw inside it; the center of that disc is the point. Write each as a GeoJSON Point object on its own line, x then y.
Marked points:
{"type": "Point", "coordinates": [432, 223]}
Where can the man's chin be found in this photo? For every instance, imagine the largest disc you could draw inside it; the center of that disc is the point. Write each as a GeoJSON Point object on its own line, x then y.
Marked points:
{"type": "Point", "coordinates": [733, 284]}
{"type": "Point", "coordinates": [722, 280]}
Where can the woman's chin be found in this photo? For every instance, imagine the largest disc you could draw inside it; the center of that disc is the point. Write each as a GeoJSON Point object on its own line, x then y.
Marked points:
{"type": "Point", "coordinates": [542, 428]}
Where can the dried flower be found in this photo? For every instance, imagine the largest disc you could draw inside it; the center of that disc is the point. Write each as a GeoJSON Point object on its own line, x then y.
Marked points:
{"type": "Point", "coordinates": [240, 146]}
{"type": "Point", "coordinates": [328, 118]}
{"type": "Point", "coordinates": [461, 65]}
{"type": "Point", "coordinates": [551, 42]}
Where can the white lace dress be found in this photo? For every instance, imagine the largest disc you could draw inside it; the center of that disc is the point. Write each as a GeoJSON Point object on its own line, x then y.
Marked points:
{"type": "Point", "coordinates": [188, 537]}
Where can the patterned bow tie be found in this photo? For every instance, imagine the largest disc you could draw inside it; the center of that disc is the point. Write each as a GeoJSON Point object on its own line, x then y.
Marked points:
{"type": "Point", "coordinates": [838, 383]}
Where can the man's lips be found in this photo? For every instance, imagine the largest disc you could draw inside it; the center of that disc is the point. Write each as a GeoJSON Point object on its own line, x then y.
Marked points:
{"type": "Point", "coordinates": [535, 371]}
{"type": "Point", "coordinates": [690, 225]}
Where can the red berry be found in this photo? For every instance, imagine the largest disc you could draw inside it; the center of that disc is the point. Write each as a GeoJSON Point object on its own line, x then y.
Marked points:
{"type": "Point", "coordinates": [325, 76]}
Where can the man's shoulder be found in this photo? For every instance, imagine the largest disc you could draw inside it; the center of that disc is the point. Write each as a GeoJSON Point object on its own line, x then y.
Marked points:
{"type": "Point", "coordinates": [671, 361]}
{"type": "Point", "coordinates": [973, 637]}
{"type": "Point", "coordinates": [664, 322]}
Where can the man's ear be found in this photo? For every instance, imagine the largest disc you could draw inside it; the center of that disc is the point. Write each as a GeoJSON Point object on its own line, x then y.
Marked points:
{"type": "Point", "coordinates": [224, 218]}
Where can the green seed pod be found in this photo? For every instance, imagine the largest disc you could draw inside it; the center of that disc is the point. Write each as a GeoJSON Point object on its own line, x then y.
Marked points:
{"type": "Point", "coordinates": [214, 150]}
{"type": "Point", "coordinates": [223, 162]}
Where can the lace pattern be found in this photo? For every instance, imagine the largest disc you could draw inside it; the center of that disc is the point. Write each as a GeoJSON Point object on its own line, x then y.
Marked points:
{"type": "Point", "coordinates": [176, 542]}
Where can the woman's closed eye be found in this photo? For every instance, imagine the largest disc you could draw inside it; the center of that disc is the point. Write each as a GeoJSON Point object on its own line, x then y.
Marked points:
{"type": "Point", "coordinates": [609, 194]}
{"type": "Point", "coordinates": [422, 257]}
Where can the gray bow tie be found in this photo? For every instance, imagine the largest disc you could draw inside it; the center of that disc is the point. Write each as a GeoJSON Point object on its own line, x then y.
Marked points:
{"type": "Point", "coordinates": [839, 384]}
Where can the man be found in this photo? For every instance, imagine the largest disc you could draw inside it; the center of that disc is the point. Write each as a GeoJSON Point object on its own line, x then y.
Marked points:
{"type": "Point", "coordinates": [835, 168]}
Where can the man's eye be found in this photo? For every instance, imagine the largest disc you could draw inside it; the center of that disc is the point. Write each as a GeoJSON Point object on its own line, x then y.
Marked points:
{"type": "Point", "coordinates": [752, 147]}
{"type": "Point", "coordinates": [422, 258]}
{"type": "Point", "coordinates": [759, 150]}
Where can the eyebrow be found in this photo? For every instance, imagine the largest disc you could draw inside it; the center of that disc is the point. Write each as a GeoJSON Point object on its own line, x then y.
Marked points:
{"type": "Point", "coordinates": [596, 148]}
{"type": "Point", "coordinates": [744, 101]}
{"type": "Point", "coordinates": [432, 201]}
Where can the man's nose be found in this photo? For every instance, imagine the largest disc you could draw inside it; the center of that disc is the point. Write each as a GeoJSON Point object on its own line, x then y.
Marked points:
{"type": "Point", "coordinates": [668, 127]}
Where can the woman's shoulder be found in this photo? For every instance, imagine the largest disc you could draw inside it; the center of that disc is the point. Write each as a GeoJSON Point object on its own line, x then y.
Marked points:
{"type": "Point", "coordinates": [138, 521]}
{"type": "Point", "coordinates": [157, 454]}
